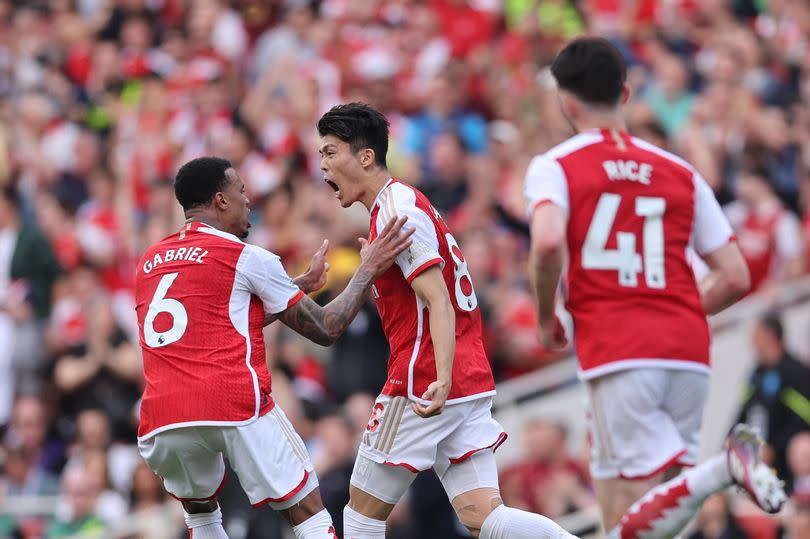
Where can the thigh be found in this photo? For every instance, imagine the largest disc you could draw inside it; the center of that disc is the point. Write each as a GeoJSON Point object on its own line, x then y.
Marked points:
{"type": "Point", "coordinates": [684, 403]}
{"type": "Point", "coordinates": [270, 460]}
{"type": "Point", "coordinates": [477, 432]}
{"type": "Point", "coordinates": [479, 471]}
{"type": "Point", "coordinates": [380, 487]}
{"type": "Point", "coordinates": [190, 466]}
{"type": "Point", "coordinates": [396, 436]}
{"type": "Point", "coordinates": [632, 435]}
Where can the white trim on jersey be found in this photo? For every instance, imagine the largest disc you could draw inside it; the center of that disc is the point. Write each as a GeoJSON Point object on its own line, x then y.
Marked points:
{"type": "Point", "coordinates": [420, 321]}
{"type": "Point", "coordinates": [417, 343]}
{"type": "Point", "coordinates": [239, 313]}
{"type": "Point", "coordinates": [380, 194]}
{"type": "Point", "coordinates": [644, 145]}
{"type": "Point", "coordinates": [244, 286]}
{"type": "Point", "coordinates": [545, 182]}
{"type": "Point", "coordinates": [577, 142]}
{"type": "Point", "coordinates": [545, 179]}
{"type": "Point", "coordinates": [400, 200]}
{"type": "Point", "coordinates": [201, 423]}
{"type": "Point", "coordinates": [710, 227]}
{"type": "Point", "coordinates": [639, 363]}
{"type": "Point", "coordinates": [216, 232]}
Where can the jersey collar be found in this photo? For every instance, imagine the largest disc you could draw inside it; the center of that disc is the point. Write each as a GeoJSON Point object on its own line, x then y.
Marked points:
{"type": "Point", "coordinates": [384, 187]}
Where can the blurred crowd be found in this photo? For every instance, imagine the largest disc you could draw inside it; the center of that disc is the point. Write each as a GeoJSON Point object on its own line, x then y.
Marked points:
{"type": "Point", "coordinates": [102, 100]}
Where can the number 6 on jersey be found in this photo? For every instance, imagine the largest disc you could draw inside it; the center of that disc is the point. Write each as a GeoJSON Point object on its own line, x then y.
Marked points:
{"type": "Point", "coordinates": [624, 258]}
{"type": "Point", "coordinates": [161, 304]}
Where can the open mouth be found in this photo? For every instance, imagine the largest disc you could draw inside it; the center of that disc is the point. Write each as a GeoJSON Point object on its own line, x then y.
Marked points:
{"type": "Point", "coordinates": [334, 187]}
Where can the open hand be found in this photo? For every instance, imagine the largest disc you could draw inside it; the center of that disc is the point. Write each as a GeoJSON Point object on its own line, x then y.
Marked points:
{"type": "Point", "coordinates": [436, 393]}
{"type": "Point", "coordinates": [315, 277]}
{"type": "Point", "coordinates": [379, 254]}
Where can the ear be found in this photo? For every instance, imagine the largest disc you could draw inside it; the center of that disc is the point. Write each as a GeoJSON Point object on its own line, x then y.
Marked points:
{"type": "Point", "coordinates": [626, 94]}
{"type": "Point", "coordinates": [367, 157]}
{"type": "Point", "coordinates": [220, 201]}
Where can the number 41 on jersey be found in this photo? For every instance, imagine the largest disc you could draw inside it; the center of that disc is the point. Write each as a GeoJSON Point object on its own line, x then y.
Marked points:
{"type": "Point", "coordinates": [624, 258]}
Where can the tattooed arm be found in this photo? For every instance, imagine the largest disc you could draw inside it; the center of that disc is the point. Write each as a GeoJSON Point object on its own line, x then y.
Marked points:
{"type": "Point", "coordinates": [324, 325]}
{"type": "Point", "coordinates": [311, 280]}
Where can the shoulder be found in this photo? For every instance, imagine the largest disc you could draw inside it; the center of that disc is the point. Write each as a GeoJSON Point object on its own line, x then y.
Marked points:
{"type": "Point", "coordinates": [219, 236]}
{"type": "Point", "coordinates": [399, 195]}
{"type": "Point", "coordinates": [670, 157]}
{"type": "Point", "coordinates": [253, 255]}
{"type": "Point", "coordinates": [399, 198]}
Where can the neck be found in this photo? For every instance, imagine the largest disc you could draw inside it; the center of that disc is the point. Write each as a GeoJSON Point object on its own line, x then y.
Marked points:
{"type": "Point", "coordinates": [373, 187]}
{"type": "Point", "coordinates": [602, 121]}
{"type": "Point", "coordinates": [601, 118]}
{"type": "Point", "coordinates": [205, 217]}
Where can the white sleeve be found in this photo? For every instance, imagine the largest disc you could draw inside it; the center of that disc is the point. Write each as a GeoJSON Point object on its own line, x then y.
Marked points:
{"type": "Point", "coordinates": [262, 274]}
{"type": "Point", "coordinates": [711, 229]}
{"type": "Point", "coordinates": [545, 182]}
{"type": "Point", "coordinates": [424, 251]}
{"type": "Point", "coordinates": [789, 236]}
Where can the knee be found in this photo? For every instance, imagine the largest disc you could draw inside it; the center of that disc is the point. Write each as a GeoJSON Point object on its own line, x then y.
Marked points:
{"type": "Point", "coordinates": [473, 515]}
{"type": "Point", "coordinates": [196, 508]}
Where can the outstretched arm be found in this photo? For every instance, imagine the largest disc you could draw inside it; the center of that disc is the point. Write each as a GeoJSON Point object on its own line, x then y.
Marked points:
{"type": "Point", "coordinates": [324, 325]}
{"type": "Point", "coordinates": [311, 280]}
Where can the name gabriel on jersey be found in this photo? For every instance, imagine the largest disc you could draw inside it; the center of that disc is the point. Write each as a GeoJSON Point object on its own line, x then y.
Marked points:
{"type": "Point", "coordinates": [190, 254]}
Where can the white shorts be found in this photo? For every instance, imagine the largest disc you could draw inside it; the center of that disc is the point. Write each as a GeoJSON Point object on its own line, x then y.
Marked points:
{"type": "Point", "coordinates": [642, 421]}
{"type": "Point", "coordinates": [396, 437]}
{"type": "Point", "coordinates": [267, 455]}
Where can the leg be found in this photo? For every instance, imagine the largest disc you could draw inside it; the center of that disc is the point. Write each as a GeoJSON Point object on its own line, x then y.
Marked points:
{"type": "Point", "coordinates": [273, 467]}
{"type": "Point", "coordinates": [472, 486]}
{"type": "Point", "coordinates": [374, 491]}
{"type": "Point", "coordinates": [666, 509]}
{"type": "Point", "coordinates": [309, 519]}
{"type": "Point", "coordinates": [193, 472]}
{"type": "Point", "coordinates": [204, 520]}
{"type": "Point", "coordinates": [635, 444]}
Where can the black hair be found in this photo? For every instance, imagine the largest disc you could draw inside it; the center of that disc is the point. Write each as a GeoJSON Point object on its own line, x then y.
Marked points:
{"type": "Point", "coordinates": [360, 125]}
{"type": "Point", "coordinates": [199, 180]}
{"type": "Point", "coordinates": [773, 324]}
{"type": "Point", "coordinates": [592, 69]}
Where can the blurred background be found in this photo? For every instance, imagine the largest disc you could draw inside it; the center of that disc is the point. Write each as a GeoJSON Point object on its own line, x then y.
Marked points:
{"type": "Point", "coordinates": [102, 100]}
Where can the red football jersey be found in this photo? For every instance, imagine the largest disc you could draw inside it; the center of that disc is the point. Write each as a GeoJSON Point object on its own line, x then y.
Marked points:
{"type": "Point", "coordinates": [412, 367]}
{"type": "Point", "coordinates": [633, 210]}
{"type": "Point", "coordinates": [767, 238]}
{"type": "Point", "coordinates": [201, 296]}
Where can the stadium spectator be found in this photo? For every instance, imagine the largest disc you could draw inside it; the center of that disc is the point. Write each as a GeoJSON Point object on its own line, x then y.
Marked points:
{"type": "Point", "coordinates": [103, 370]}
{"type": "Point", "coordinates": [798, 460]}
{"type": "Point", "coordinates": [29, 270]}
{"type": "Point", "coordinates": [547, 480]}
{"type": "Point", "coordinates": [768, 234]}
{"type": "Point", "coordinates": [333, 458]}
{"type": "Point", "coordinates": [359, 355]}
{"type": "Point", "coordinates": [79, 496]}
{"type": "Point", "coordinates": [775, 398]}
{"type": "Point", "coordinates": [34, 458]}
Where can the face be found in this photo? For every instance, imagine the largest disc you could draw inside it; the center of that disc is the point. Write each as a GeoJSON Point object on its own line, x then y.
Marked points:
{"type": "Point", "coordinates": [233, 206]}
{"type": "Point", "coordinates": [28, 421]}
{"type": "Point", "coordinates": [342, 169]}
